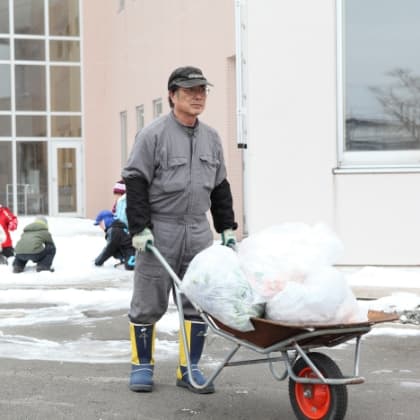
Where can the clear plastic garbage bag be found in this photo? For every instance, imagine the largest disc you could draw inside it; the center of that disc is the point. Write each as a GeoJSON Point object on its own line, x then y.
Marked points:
{"type": "Point", "coordinates": [287, 252]}
{"type": "Point", "coordinates": [215, 282]}
{"type": "Point", "coordinates": [324, 297]}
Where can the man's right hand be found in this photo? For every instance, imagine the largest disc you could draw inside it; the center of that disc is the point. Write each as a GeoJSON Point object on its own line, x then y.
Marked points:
{"type": "Point", "coordinates": [142, 239]}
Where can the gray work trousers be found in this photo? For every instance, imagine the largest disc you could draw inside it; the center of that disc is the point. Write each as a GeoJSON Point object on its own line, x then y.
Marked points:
{"type": "Point", "coordinates": [178, 239]}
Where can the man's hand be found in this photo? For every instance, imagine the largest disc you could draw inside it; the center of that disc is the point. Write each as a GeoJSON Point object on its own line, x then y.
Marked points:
{"type": "Point", "coordinates": [142, 239]}
{"type": "Point", "coordinates": [229, 238]}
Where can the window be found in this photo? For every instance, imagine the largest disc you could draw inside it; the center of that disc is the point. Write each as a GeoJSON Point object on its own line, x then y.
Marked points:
{"type": "Point", "coordinates": [29, 17]}
{"type": "Point", "coordinates": [31, 126]}
{"type": "Point", "coordinates": [5, 88]}
{"type": "Point", "coordinates": [66, 126]}
{"type": "Point", "coordinates": [4, 49]}
{"type": "Point", "coordinates": [379, 109]}
{"type": "Point", "coordinates": [65, 88]}
{"type": "Point", "coordinates": [30, 88]}
{"type": "Point", "coordinates": [32, 187]}
{"type": "Point", "coordinates": [64, 17]}
{"type": "Point", "coordinates": [64, 51]}
{"type": "Point", "coordinates": [6, 174]}
{"type": "Point", "coordinates": [5, 126]}
{"type": "Point", "coordinates": [123, 124]}
{"type": "Point", "coordinates": [40, 96]}
{"type": "Point", "coordinates": [140, 117]}
{"type": "Point", "coordinates": [4, 16]}
{"type": "Point", "coordinates": [157, 107]}
{"type": "Point", "coordinates": [29, 49]}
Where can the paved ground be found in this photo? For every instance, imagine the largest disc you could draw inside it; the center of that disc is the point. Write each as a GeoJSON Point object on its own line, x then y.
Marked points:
{"type": "Point", "coordinates": [43, 390]}
{"type": "Point", "coordinates": [40, 390]}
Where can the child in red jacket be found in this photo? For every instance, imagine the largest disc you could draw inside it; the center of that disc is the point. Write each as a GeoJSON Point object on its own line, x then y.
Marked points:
{"type": "Point", "coordinates": [8, 222]}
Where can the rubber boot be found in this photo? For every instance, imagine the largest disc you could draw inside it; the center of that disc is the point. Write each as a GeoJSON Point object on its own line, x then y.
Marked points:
{"type": "Point", "coordinates": [142, 339]}
{"type": "Point", "coordinates": [196, 335]}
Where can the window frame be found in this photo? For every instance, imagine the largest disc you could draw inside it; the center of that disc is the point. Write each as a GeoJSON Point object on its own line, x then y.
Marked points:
{"type": "Point", "coordinates": [157, 103]}
{"type": "Point", "coordinates": [123, 136]}
{"type": "Point", "coordinates": [362, 161]}
{"type": "Point", "coordinates": [140, 117]}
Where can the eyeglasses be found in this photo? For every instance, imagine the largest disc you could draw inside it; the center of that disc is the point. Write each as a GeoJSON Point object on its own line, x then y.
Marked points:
{"type": "Point", "coordinates": [196, 90]}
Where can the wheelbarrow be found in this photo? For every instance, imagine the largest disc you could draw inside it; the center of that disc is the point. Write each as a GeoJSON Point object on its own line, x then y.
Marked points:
{"type": "Point", "coordinates": [317, 387]}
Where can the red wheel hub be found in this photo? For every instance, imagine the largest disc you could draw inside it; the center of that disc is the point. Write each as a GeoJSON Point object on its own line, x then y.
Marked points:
{"type": "Point", "coordinates": [314, 399]}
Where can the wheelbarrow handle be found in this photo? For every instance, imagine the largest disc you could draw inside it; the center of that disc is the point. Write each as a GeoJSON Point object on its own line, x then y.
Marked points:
{"type": "Point", "coordinates": [164, 263]}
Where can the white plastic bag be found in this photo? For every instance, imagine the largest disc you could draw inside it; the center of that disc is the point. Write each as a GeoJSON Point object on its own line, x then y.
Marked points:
{"type": "Point", "coordinates": [323, 298]}
{"type": "Point", "coordinates": [214, 281]}
{"type": "Point", "coordinates": [287, 252]}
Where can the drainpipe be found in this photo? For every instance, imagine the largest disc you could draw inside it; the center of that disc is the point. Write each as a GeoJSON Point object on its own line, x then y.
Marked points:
{"type": "Point", "coordinates": [240, 37]}
{"type": "Point", "coordinates": [241, 98]}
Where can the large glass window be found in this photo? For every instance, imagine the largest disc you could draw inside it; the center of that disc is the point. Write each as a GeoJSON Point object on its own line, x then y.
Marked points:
{"type": "Point", "coordinates": [29, 17]}
{"type": "Point", "coordinates": [31, 126]}
{"type": "Point", "coordinates": [65, 88]}
{"type": "Point", "coordinates": [5, 88]}
{"type": "Point", "coordinates": [4, 16]}
{"type": "Point", "coordinates": [30, 88]}
{"type": "Point", "coordinates": [4, 49]}
{"type": "Point", "coordinates": [40, 100]}
{"type": "Point", "coordinates": [64, 50]}
{"type": "Point", "coordinates": [29, 49]}
{"type": "Point", "coordinates": [6, 174]}
{"type": "Point", "coordinates": [381, 82]}
{"type": "Point", "coordinates": [5, 126]}
{"type": "Point", "coordinates": [64, 17]}
{"type": "Point", "coordinates": [32, 187]}
{"type": "Point", "coordinates": [66, 126]}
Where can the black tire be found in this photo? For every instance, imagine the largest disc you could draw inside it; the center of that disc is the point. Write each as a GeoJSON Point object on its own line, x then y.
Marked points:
{"type": "Point", "coordinates": [325, 402]}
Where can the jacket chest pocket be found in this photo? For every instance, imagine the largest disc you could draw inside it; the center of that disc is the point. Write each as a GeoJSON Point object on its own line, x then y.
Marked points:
{"type": "Point", "coordinates": [208, 166]}
{"type": "Point", "coordinates": [174, 177]}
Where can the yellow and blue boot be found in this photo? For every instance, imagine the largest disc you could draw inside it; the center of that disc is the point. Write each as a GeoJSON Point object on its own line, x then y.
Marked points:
{"type": "Point", "coordinates": [142, 337]}
{"type": "Point", "coordinates": [196, 335]}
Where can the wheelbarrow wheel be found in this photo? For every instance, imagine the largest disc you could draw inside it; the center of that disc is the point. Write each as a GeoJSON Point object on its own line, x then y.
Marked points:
{"type": "Point", "coordinates": [318, 401]}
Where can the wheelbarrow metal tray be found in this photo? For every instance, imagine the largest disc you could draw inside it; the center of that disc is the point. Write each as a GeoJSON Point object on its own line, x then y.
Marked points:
{"type": "Point", "coordinates": [267, 332]}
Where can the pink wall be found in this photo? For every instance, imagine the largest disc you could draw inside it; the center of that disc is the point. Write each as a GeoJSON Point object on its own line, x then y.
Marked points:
{"type": "Point", "coordinates": [128, 56]}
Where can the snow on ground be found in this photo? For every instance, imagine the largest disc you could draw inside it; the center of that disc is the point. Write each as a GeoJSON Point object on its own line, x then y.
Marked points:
{"type": "Point", "coordinates": [36, 302]}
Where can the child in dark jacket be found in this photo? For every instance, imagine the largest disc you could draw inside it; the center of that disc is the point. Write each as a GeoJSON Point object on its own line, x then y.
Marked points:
{"type": "Point", "coordinates": [118, 240]}
{"type": "Point", "coordinates": [36, 244]}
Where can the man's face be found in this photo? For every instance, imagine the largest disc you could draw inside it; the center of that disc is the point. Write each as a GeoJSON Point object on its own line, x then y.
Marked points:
{"type": "Point", "coordinates": [190, 101]}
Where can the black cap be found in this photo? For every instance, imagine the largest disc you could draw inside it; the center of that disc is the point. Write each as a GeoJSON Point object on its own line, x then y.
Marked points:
{"type": "Point", "coordinates": [187, 77]}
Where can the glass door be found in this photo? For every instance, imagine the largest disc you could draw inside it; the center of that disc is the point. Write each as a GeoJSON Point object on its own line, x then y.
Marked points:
{"type": "Point", "coordinates": [66, 179]}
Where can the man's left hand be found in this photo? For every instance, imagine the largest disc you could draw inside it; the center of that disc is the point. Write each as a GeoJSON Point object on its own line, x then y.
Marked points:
{"type": "Point", "coordinates": [229, 238]}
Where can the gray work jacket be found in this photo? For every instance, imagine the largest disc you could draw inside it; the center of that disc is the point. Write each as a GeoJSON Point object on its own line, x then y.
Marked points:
{"type": "Point", "coordinates": [181, 165]}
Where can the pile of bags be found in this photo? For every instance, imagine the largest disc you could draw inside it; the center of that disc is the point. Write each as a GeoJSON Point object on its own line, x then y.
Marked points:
{"type": "Point", "coordinates": [284, 273]}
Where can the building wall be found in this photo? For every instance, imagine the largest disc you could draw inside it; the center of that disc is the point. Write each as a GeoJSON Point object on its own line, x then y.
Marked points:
{"type": "Point", "coordinates": [292, 143]}
{"type": "Point", "coordinates": [128, 56]}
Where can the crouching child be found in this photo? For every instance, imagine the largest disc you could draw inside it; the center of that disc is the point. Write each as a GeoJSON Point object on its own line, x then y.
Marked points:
{"type": "Point", "coordinates": [35, 244]}
{"type": "Point", "coordinates": [118, 241]}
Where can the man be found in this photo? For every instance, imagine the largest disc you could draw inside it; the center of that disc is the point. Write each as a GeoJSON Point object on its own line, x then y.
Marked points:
{"type": "Point", "coordinates": [174, 175]}
{"type": "Point", "coordinates": [36, 244]}
{"type": "Point", "coordinates": [118, 241]}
